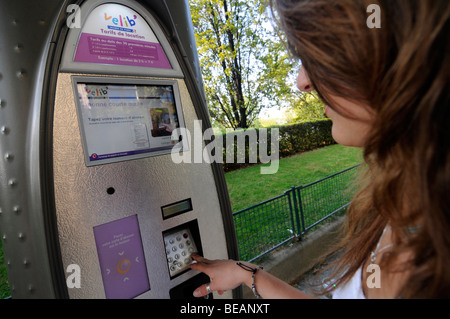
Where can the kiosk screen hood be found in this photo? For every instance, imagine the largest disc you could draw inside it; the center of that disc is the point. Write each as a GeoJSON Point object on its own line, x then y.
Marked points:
{"type": "Point", "coordinates": [116, 39]}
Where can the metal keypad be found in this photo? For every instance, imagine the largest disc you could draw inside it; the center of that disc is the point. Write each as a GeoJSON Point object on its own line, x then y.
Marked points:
{"type": "Point", "coordinates": [179, 247]}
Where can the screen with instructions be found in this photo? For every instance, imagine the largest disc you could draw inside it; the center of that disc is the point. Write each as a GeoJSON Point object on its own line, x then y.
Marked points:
{"type": "Point", "coordinates": [126, 121]}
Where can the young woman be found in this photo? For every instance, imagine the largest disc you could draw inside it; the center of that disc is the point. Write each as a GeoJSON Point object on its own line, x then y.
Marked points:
{"type": "Point", "coordinates": [386, 91]}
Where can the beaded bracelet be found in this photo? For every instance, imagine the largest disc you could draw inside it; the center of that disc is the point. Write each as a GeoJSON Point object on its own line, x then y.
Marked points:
{"type": "Point", "coordinates": [253, 271]}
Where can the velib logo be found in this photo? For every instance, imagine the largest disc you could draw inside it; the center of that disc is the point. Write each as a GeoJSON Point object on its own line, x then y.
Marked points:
{"type": "Point", "coordinates": [120, 22]}
{"type": "Point", "coordinates": [97, 91]}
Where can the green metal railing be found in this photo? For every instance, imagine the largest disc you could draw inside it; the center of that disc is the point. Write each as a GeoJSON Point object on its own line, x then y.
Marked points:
{"type": "Point", "coordinates": [266, 226]}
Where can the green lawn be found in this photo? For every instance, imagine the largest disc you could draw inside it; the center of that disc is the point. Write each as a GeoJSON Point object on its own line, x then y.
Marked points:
{"type": "Point", "coordinates": [4, 287]}
{"type": "Point", "coordinates": [248, 187]}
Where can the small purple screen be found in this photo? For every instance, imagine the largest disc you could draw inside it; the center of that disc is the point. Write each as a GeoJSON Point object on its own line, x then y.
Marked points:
{"type": "Point", "coordinates": [121, 257]}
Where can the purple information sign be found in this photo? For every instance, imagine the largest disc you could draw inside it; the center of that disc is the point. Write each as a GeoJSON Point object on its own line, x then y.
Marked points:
{"type": "Point", "coordinates": [121, 257]}
{"type": "Point", "coordinates": [93, 48]}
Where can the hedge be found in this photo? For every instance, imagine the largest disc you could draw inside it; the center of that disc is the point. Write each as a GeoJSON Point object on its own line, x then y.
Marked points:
{"type": "Point", "coordinates": [292, 139]}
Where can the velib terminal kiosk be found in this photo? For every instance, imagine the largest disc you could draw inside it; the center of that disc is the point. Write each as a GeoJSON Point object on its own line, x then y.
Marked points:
{"type": "Point", "coordinates": [92, 204]}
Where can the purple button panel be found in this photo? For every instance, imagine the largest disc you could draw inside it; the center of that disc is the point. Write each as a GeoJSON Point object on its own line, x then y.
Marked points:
{"type": "Point", "coordinates": [121, 256]}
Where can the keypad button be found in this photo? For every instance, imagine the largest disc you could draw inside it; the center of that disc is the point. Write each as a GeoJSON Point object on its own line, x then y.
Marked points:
{"type": "Point", "coordinates": [179, 247]}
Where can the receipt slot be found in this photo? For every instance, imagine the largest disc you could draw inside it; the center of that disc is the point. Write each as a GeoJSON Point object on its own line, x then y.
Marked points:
{"type": "Point", "coordinates": [92, 204]}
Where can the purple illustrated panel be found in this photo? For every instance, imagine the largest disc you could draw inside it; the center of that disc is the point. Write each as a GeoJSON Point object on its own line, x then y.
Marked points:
{"type": "Point", "coordinates": [121, 256]}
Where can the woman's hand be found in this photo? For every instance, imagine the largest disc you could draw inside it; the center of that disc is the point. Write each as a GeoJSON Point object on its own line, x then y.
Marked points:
{"type": "Point", "coordinates": [224, 274]}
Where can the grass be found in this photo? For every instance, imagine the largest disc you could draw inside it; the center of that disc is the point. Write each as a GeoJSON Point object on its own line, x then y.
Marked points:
{"type": "Point", "coordinates": [264, 226]}
{"type": "Point", "coordinates": [247, 187]}
{"type": "Point", "coordinates": [4, 287]}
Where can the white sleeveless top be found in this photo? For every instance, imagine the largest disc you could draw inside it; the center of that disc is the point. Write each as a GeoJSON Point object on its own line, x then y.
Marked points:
{"type": "Point", "coordinates": [351, 290]}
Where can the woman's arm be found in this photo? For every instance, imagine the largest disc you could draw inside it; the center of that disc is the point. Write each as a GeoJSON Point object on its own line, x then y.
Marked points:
{"type": "Point", "coordinates": [227, 275]}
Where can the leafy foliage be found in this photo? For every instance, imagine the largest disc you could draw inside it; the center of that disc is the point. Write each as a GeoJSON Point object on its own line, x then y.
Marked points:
{"type": "Point", "coordinates": [307, 107]}
{"type": "Point", "coordinates": [293, 139]}
{"type": "Point", "coordinates": [244, 64]}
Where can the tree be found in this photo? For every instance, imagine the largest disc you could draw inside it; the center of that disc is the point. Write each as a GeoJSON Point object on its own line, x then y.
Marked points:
{"type": "Point", "coordinates": [307, 106]}
{"type": "Point", "coordinates": [244, 65]}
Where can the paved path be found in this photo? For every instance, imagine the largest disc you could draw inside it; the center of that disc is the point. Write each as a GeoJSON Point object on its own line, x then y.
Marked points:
{"type": "Point", "coordinates": [311, 282]}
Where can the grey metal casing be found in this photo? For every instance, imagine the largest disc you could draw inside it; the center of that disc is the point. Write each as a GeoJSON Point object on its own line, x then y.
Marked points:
{"type": "Point", "coordinates": [141, 187]}
{"type": "Point", "coordinates": [30, 90]}
{"type": "Point", "coordinates": [26, 41]}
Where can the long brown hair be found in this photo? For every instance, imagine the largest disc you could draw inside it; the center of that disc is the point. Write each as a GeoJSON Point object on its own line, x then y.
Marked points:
{"type": "Point", "coordinates": [402, 71]}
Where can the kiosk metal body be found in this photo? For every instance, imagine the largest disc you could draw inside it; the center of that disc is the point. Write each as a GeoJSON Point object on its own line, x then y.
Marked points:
{"type": "Point", "coordinates": [90, 94]}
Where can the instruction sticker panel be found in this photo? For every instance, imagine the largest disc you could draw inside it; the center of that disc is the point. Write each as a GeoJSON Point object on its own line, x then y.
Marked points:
{"type": "Point", "coordinates": [117, 35]}
{"type": "Point", "coordinates": [121, 258]}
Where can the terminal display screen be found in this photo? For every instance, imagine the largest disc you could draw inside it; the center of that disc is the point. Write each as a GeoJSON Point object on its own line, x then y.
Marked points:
{"type": "Point", "coordinates": [177, 208]}
{"type": "Point", "coordinates": [126, 121]}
